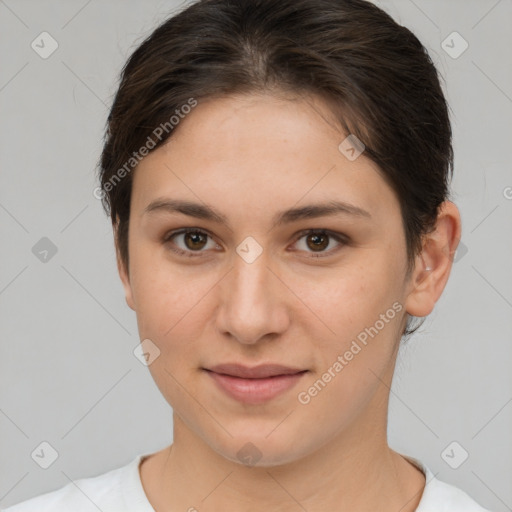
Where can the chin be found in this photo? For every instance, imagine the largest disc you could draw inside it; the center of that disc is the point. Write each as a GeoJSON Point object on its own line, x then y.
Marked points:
{"type": "Point", "coordinates": [262, 451]}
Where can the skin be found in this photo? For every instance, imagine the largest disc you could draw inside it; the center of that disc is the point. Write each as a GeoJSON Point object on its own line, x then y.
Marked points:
{"type": "Point", "coordinates": [249, 157]}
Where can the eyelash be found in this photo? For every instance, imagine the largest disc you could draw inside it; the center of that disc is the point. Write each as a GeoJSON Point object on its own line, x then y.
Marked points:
{"type": "Point", "coordinates": [338, 237]}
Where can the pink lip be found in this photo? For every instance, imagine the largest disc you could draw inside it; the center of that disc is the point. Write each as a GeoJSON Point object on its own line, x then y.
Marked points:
{"type": "Point", "coordinates": [257, 384]}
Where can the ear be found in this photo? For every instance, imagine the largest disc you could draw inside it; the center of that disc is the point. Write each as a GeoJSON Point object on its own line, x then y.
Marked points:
{"type": "Point", "coordinates": [433, 265]}
{"type": "Point", "coordinates": [124, 274]}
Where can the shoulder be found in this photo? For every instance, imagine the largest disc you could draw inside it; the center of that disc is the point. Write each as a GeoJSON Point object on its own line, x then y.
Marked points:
{"type": "Point", "coordinates": [448, 498]}
{"type": "Point", "coordinates": [102, 492]}
{"type": "Point", "coordinates": [439, 496]}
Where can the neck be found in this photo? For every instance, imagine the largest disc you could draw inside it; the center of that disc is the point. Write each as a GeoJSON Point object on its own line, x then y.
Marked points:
{"type": "Point", "coordinates": [354, 471]}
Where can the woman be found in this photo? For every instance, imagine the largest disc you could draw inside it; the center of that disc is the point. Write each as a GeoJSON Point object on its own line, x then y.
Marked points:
{"type": "Point", "coordinates": [277, 177]}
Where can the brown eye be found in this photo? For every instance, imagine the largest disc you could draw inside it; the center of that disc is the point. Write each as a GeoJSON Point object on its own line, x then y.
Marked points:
{"type": "Point", "coordinates": [317, 241]}
{"type": "Point", "coordinates": [186, 242]}
{"type": "Point", "coordinates": [195, 240]}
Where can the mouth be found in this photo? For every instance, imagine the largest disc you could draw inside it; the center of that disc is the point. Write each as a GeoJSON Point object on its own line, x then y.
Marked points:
{"type": "Point", "coordinates": [254, 385]}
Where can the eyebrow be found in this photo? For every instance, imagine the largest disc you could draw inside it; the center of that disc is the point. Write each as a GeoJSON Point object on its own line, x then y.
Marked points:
{"type": "Point", "coordinates": [203, 211]}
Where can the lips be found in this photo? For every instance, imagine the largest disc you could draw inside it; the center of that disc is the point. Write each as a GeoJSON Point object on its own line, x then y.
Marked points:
{"type": "Point", "coordinates": [254, 385]}
{"type": "Point", "coordinates": [256, 372]}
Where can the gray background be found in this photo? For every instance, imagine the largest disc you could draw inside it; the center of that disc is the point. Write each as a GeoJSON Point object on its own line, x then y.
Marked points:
{"type": "Point", "coordinates": [68, 375]}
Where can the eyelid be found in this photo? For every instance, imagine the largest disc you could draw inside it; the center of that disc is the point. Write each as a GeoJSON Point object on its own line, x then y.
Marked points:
{"type": "Point", "coordinates": [171, 234]}
{"type": "Point", "coordinates": [181, 231]}
{"type": "Point", "coordinates": [339, 237]}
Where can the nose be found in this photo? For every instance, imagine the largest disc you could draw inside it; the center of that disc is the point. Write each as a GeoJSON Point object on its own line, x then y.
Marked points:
{"type": "Point", "coordinates": [254, 301]}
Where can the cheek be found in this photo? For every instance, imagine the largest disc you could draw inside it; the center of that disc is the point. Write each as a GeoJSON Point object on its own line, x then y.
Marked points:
{"type": "Point", "coordinates": [170, 307]}
{"type": "Point", "coordinates": [163, 293]}
{"type": "Point", "coordinates": [361, 311]}
{"type": "Point", "coordinates": [349, 299]}
{"type": "Point", "coordinates": [171, 313]}
{"type": "Point", "coordinates": [364, 314]}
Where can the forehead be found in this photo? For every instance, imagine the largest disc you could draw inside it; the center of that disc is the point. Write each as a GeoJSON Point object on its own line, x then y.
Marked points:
{"type": "Point", "coordinates": [256, 154]}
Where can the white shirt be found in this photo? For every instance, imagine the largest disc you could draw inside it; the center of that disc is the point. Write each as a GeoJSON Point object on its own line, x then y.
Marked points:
{"type": "Point", "coordinates": [120, 490]}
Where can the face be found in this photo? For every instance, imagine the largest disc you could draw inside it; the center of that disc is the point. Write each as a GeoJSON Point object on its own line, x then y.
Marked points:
{"type": "Point", "coordinates": [236, 258]}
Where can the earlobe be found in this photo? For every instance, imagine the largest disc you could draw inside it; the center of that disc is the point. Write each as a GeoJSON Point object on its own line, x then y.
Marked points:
{"type": "Point", "coordinates": [433, 265]}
